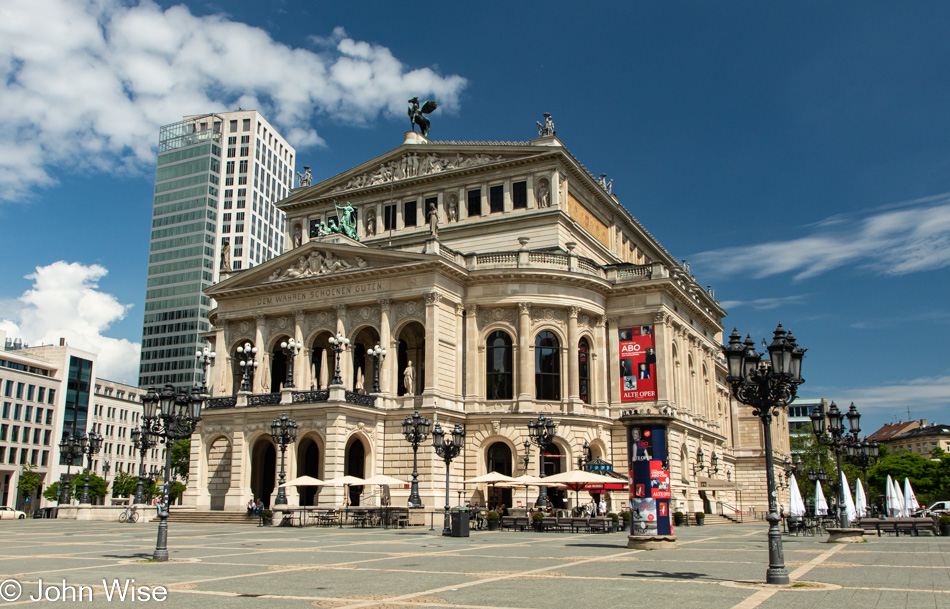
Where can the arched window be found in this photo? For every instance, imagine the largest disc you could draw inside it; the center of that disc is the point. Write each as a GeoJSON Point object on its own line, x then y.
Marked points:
{"type": "Point", "coordinates": [498, 369]}
{"type": "Point", "coordinates": [547, 366]}
{"type": "Point", "coordinates": [583, 370]}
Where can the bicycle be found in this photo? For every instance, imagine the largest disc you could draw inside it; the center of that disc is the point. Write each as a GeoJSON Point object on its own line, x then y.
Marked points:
{"type": "Point", "coordinates": [129, 514]}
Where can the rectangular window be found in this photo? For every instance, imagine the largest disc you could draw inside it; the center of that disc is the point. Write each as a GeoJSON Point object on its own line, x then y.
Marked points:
{"type": "Point", "coordinates": [52, 397]}
{"type": "Point", "coordinates": [519, 195]}
{"type": "Point", "coordinates": [15, 433]}
{"type": "Point", "coordinates": [45, 460]}
{"type": "Point", "coordinates": [17, 411]}
{"type": "Point", "coordinates": [46, 437]}
{"type": "Point", "coordinates": [229, 169]}
{"type": "Point", "coordinates": [6, 410]}
{"type": "Point", "coordinates": [243, 166]}
{"type": "Point", "coordinates": [246, 125]}
{"type": "Point", "coordinates": [475, 202]}
{"type": "Point", "coordinates": [233, 127]}
{"type": "Point", "coordinates": [409, 213]}
{"type": "Point", "coordinates": [36, 435]}
{"type": "Point", "coordinates": [232, 152]}
{"type": "Point", "coordinates": [49, 417]}
{"type": "Point", "coordinates": [41, 395]}
{"type": "Point", "coordinates": [19, 391]}
{"type": "Point", "coordinates": [29, 413]}
{"type": "Point", "coordinates": [12, 458]}
{"type": "Point", "coordinates": [30, 390]}
{"type": "Point", "coordinates": [496, 199]}
{"type": "Point", "coordinates": [389, 217]}
{"type": "Point", "coordinates": [8, 390]}
{"type": "Point", "coordinates": [3, 432]}
{"type": "Point", "coordinates": [39, 415]}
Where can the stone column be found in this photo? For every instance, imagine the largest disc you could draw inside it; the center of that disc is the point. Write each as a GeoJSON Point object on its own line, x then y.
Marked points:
{"type": "Point", "coordinates": [432, 342]}
{"type": "Point", "coordinates": [345, 360]}
{"type": "Point", "coordinates": [302, 359]}
{"type": "Point", "coordinates": [664, 359]}
{"type": "Point", "coordinates": [221, 362]}
{"type": "Point", "coordinates": [525, 365]}
{"type": "Point", "coordinates": [239, 491]}
{"type": "Point", "coordinates": [599, 372]}
{"type": "Point", "coordinates": [460, 358]}
{"type": "Point", "coordinates": [196, 493]}
{"type": "Point", "coordinates": [471, 348]}
{"type": "Point", "coordinates": [261, 354]}
{"type": "Point", "coordinates": [613, 359]}
{"type": "Point", "coordinates": [385, 341]}
{"type": "Point", "coordinates": [573, 381]}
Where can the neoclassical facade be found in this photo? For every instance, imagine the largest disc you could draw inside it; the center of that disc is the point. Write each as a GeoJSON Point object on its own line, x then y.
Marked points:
{"type": "Point", "coordinates": [503, 280]}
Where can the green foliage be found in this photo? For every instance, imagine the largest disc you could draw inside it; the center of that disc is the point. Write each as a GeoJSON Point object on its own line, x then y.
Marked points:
{"type": "Point", "coordinates": [29, 481]}
{"type": "Point", "coordinates": [625, 516]}
{"type": "Point", "coordinates": [124, 484]}
{"type": "Point", "coordinates": [930, 479]}
{"type": "Point", "coordinates": [50, 492]}
{"type": "Point", "coordinates": [945, 519]}
{"type": "Point", "coordinates": [814, 457]}
{"type": "Point", "coordinates": [492, 515]}
{"type": "Point", "coordinates": [700, 515]}
{"type": "Point", "coordinates": [538, 516]}
{"type": "Point", "coordinates": [181, 455]}
{"type": "Point", "coordinates": [613, 516]}
{"type": "Point", "coordinates": [97, 486]}
{"type": "Point", "coordinates": [267, 514]}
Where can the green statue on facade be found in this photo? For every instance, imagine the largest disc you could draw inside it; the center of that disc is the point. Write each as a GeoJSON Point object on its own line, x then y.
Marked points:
{"type": "Point", "coordinates": [347, 220]}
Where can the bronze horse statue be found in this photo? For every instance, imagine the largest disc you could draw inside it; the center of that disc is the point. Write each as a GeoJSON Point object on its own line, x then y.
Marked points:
{"type": "Point", "coordinates": [417, 115]}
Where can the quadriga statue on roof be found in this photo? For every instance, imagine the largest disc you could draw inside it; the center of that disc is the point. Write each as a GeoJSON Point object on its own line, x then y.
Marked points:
{"type": "Point", "coordinates": [417, 115]}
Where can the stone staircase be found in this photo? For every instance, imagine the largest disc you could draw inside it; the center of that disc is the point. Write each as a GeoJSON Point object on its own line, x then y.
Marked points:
{"type": "Point", "coordinates": [210, 517]}
{"type": "Point", "coordinates": [714, 520]}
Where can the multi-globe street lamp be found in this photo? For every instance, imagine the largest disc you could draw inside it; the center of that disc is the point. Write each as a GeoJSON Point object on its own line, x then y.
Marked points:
{"type": "Point", "coordinates": [205, 358]}
{"type": "Point", "coordinates": [143, 441]}
{"type": "Point", "coordinates": [767, 386]}
{"type": "Point", "coordinates": [378, 354]}
{"type": "Point", "coordinates": [712, 468]}
{"type": "Point", "coordinates": [839, 440]}
{"type": "Point", "coordinates": [69, 450]}
{"type": "Point", "coordinates": [542, 433]}
{"type": "Point", "coordinates": [338, 345]}
{"type": "Point", "coordinates": [416, 430]}
{"type": "Point", "coordinates": [247, 359]}
{"type": "Point", "coordinates": [170, 417]}
{"type": "Point", "coordinates": [863, 455]}
{"type": "Point", "coordinates": [284, 432]}
{"type": "Point", "coordinates": [447, 449]}
{"type": "Point", "coordinates": [290, 349]}
{"type": "Point", "coordinates": [89, 445]}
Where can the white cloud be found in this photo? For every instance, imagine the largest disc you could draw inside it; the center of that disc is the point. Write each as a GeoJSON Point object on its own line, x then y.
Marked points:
{"type": "Point", "coordinates": [86, 84]}
{"type": "Point", "coordinates": [65, 302]}
{"type": "Point", "coordinates": [909, 237]}
{"type": "Point", "coordinates": [764, 304]}
{"type": "Point", "coordinates": [924, 394]}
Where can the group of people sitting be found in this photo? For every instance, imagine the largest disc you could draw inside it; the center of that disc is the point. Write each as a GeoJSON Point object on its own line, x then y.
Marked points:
{"type": "Point", "coordinates": [255, 507]}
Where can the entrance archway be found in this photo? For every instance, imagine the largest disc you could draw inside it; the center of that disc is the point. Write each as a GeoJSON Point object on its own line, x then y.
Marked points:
{"type": "Point", "coordinates": [554, 464]}
{"type": "Point", "coordinates": [355, 465]}
{"type": "Point", "coordinates": [278, 368]}
{"type": "Point", "coordinates": [364, 339]}
{"type": "Point", "coordinates": [498, 459]}
{"type": "Point", "coordinates": [263, 470]}
{"type": "Point", "coordinates": [322, 361]}
{"type": "Point", "coordinates": [308, 464]}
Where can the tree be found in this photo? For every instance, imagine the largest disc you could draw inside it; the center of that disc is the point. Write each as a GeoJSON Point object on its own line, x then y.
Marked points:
{"type": "Point", "coordinates": [124, 484]}
{"type": "Point", "coordinates": [927, 477]}
{"type": "Point", "coordinates": [97, 486]}
{"type": "Point", "coordinates": [181, 457]}
{"type": "Point", "coordinates": [52, 491]}
{"type": "Point", "coordinates": [814, 457]}
{"type": "Point", "coordinates": [29, 481]}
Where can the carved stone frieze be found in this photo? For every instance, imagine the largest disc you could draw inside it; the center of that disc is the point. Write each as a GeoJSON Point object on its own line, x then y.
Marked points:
{"type": "Point", "coordinates": [412, 165]}
{"type": "Point", "coordinates": [487, 316]}
{"type": "Point", "coordinates": [317, 263]}
{"type": "Point", "coordinates": [547, 314]}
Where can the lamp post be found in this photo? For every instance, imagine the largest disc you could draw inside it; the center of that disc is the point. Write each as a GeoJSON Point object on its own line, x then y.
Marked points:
{"type": "Point", "coordinates": [205, 358]}
{"type": "Point", "coordinates": [378, 354]}
{"type": "Point", "coordinates": [338, 345]}
{"type": "Point", "coordinates": [106, 466]}
{"type": "Point", "coordinates": [447, 450]}
{"type": "Point", "coordinates": [169, 418]}
{"type": "Point", "coordinates": [542, 433]}
{"type": "Point", "coordinates": [290, 349]}
{"type": "Point", "coordinates": [584, 459]}
{"type": "Point", "coordinates": [792, 467]}
{"type": "Point", "coordinates": [69, 451]}
{"type": "Point", "coordinates": [863, 454]}
{"type": "Point", "coordinates": [839, 442]}
{"type": "Point", "coordinates": [143, 441]}
{"type": "Point", "coordinates": [284, 432]}
{"type": "Point", "coordinates": [766, 387]}
{"type": "Point", "coordinates": [416, 430]}
{"type": "Point", "coordinates": [527, 457]}
{"type": "Point", "coordinates": [247, 354]}
{"type": "Point", "coordinates": [89, 445]}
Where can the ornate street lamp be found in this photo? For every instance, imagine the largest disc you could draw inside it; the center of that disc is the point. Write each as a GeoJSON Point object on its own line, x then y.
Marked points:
{"type": "Point", "coordinates": [338, 345]}
{"type": "Point", "coordinates": [247, 354]}
{"type": "Point", "coordinates": [290, 349]}
{"type": "Point", "coordinates": [766, 387]}
{"type": "Point", "coordinates": [542, 433]}
{"type": "Point", "coordinates": [584, 458]}
{"type": "Point", "coordinates": [527, 457]}
{"type": "Point", "coordinates": [839, 442]}
{"type": "Point", "coordinates": [863, 454]}
{"type": "Point", "coordinates": [416, 430]}
{"type": "Point", "coordinates": [205, 358]}
{"type": "Point", "coordinates": [378, 354]}
{"type": "Point", "coordinates": [170, 417]}
{"type": "Point", "coordinates": [69, 450]}
{"type": "Point", "coordinates": [792, 468]}
{"type": "Point", "coordinates": [448, 450]}
{"type": "Point", "coordinates": [143, 441]}
{"type": "Point", "coordinates": [89, 446]}
{"type": "Point", "coordinates": [284, 432]}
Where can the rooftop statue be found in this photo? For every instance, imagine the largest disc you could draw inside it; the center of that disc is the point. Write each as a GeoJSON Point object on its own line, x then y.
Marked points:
{"type": "Point", "coordinates": [347, 220]}
{"type": "Point", "coordinates": [417, 115]}
{"type": "Point", "coordinates": [548, 127]}
{"type": "Point", "coordinates": [305, 178]}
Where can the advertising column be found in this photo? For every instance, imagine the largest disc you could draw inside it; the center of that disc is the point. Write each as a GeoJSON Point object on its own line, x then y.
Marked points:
{"type": "Point", "coordinates": [649, 470]}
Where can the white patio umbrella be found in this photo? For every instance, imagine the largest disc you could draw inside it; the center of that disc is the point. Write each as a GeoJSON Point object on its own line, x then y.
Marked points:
{"type": "Point", "coordinates": [860, 499]}
{"type": "Point", "coordinates": [910, 499]}
{"type": "Point", "coordinates": [850, 512]}
{"type": "Point", "coordinates": [526, 480]}
{"type": "Point", "coordinates": [489, 478]}
{"type": "Point", "coordinates": [381, 479]}
{"type": "Point", "coordinates": [899, 502]}
{"type": "Point", "coordinates": [821, 504]}
{"type": "Point", "coordinates": [304, 481]}
{"type": "Point", "coordinates": [890, 498]}
{"type": "Point", "coordinates": [796, 505]}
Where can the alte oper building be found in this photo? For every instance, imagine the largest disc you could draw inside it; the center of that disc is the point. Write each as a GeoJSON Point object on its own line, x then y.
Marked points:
{"type": "Point", "coordinates": [503, 280]}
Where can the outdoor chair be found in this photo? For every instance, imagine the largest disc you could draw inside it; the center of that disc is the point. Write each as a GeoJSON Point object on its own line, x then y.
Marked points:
{"type": "Point", "coordinates": [926, 525]}
{"type": "Point", "coordinates": [598, 525]}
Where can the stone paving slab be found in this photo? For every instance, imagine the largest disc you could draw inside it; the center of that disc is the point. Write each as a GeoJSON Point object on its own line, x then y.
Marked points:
{"type": "Point", "coordinates": [249, 567]}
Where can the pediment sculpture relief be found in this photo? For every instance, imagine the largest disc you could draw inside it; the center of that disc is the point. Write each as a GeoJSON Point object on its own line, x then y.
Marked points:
{"type": "Point", "coordinates": [412, 164]}
{"type": "Point", "coordinates": [317, 263]}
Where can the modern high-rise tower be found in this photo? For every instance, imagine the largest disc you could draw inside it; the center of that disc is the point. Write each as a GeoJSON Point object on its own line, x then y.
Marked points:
{"type": "Point", "coordinates": [217, 179]}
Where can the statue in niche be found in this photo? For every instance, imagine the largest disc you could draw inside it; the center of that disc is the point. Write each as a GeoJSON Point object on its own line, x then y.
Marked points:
{"type": "Point", "coordinates": [452, 208]}
{"type": "Point", "coordinates": [544, 194]}
{"type": "Point", "coordinates": [417, 115]}
{"type": "Point", "coordinates": [433, 221]}
{"type": "Point", "coordinates": [226, 256]}
{"type": "Point", "coordinates": [409, 379]}
{"type": "Point", "coordinates": [371, 224]}
{"type": "Point", "coordinates": [298, 239]}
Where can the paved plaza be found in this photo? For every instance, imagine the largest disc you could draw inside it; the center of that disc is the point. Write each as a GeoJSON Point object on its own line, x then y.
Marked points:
{"type": "Point", "coordinates": [246, 566]}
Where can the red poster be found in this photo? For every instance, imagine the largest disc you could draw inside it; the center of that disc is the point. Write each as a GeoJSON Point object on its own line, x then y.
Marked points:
{"type": "Point", "coordinates": [663, 509]}
{"type": "Point", "coordinates": [637, 364]}
{"type": "Point", "coordinates": [659, 481]}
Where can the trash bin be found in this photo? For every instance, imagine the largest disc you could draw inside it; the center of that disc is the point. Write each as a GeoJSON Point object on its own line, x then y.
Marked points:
{"type": "Point", "coordinates": [460, 518]}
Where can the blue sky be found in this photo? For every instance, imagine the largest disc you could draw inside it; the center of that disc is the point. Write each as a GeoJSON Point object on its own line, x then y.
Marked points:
{"type": "Point", "coordinates": [797, 155]}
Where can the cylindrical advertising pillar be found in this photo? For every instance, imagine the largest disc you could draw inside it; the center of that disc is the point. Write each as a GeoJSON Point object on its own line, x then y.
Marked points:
{"type": "Point", "coordinates": [651, 524]}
